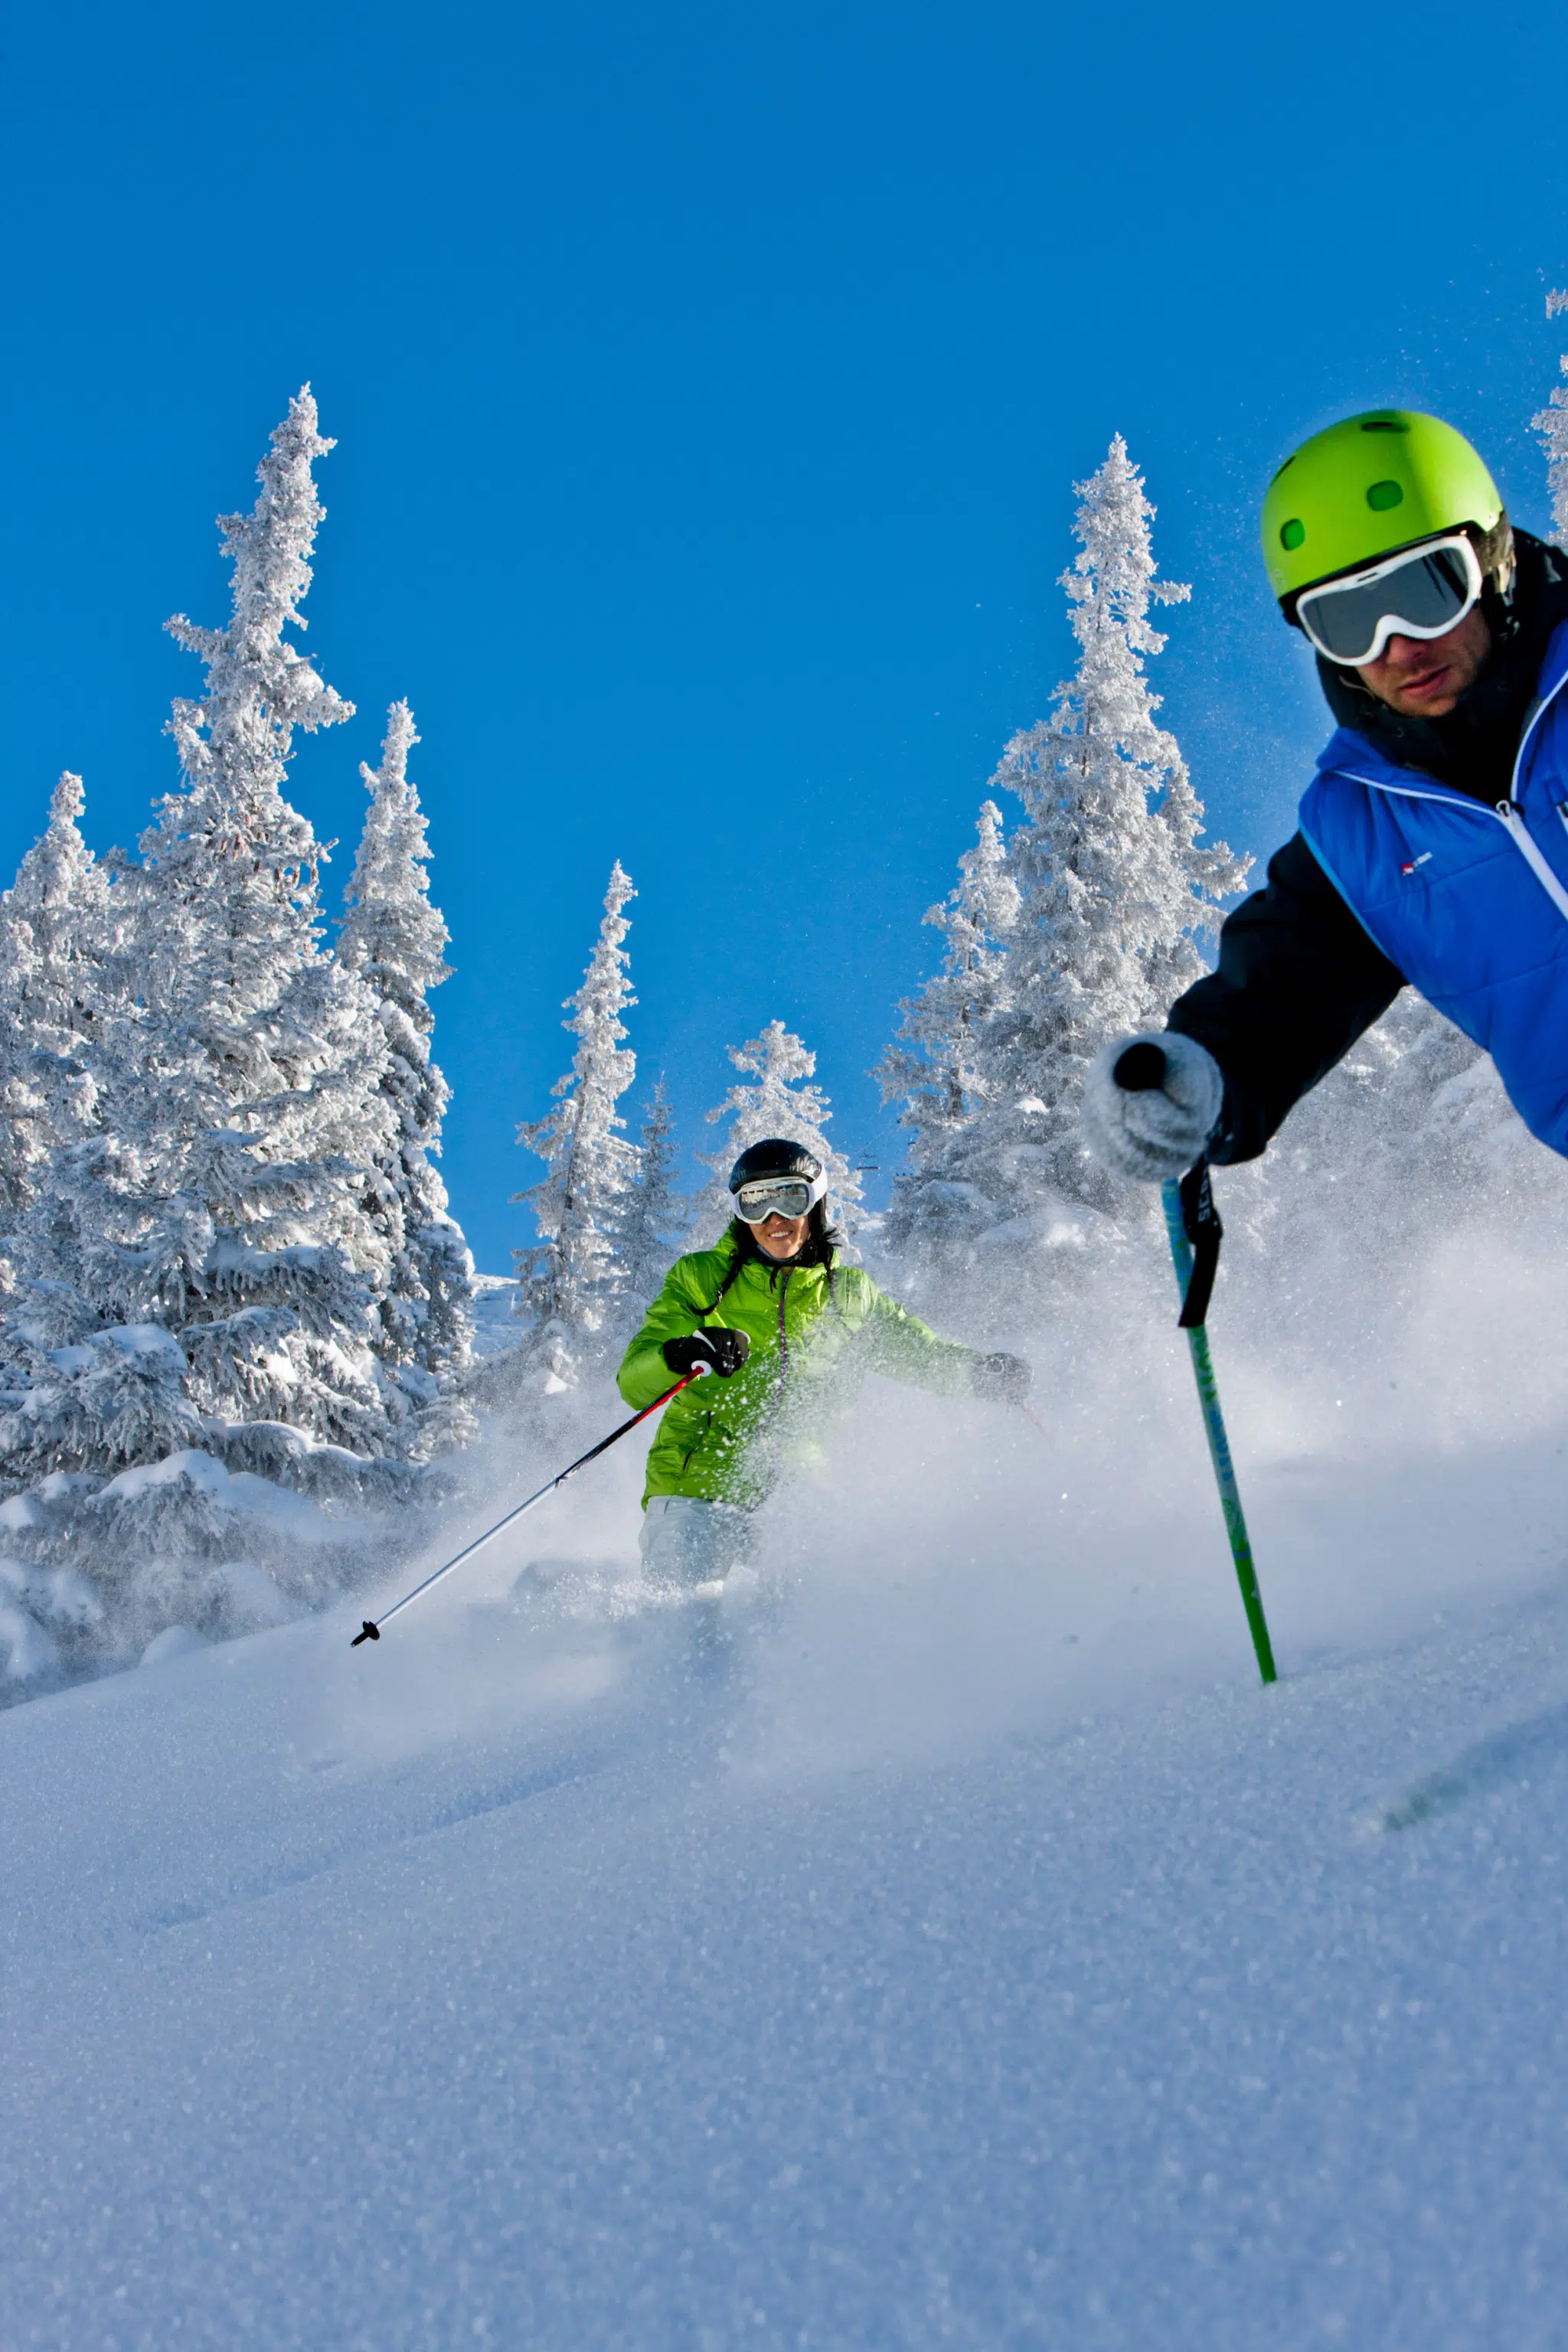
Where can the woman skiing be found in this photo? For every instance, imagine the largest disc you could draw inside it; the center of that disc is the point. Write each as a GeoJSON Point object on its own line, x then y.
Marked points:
{"type": "Point", "coordinates": [786, 1332]}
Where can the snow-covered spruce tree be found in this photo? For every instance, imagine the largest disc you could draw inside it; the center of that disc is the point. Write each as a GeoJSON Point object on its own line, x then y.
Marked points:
{"type": "Point", "coordinates": [77, 1388]}
{"type": "Point", "coordinates": [222, 1205]}
{"type": "Point", "coordinates": [395, 940]}
{"type": "Point", "coordinates": [57, 1002]}
{"type": "Point", "coordinates": [1114, 891]}
{"type": "Point", "coordinates": [936, 1069]}
{"type": "Point", "coordinates": [657, 1219]}
{"type": "Point", "coordinates": [1409, 1135]}
{"type": "Point", "coordinates": [778, 1099]}
{"type": "Point", "coordinates": [1552, 424]}
{"type": "Point", "coordinates": [573, 1277]}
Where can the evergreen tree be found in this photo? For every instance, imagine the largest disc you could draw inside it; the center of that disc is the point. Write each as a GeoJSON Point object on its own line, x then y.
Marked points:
{"type": "Point", "coordinates": [1114, 891]}
{"type": "Point", "coordinates": [223, 1203]}
{"type": "Point", "coordinates": [657, 1220]}
{"type": "Point", "coordinates": [779, 1100]}
{"type": "Point", "coordinates": [55, 995]}
{"type": "Point", "coordinates": [395, 940]}
{"type": "Point", "coordinates": [573, 1278]}
{"type": "Point", "coordinates": [1552, 424]}
{"type": "Point", "coordinates": [936, 1069]}
{"type": "Point", "coordinates": [1415, 1119]}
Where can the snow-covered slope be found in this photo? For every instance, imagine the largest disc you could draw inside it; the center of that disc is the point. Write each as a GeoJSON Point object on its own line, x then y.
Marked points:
{"type": "Point", "coordinates": [973, 1955]}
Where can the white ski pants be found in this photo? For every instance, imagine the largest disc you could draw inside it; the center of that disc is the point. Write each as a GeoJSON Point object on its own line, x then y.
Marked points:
{"type": "Point", "coordinates": [686, 1541]}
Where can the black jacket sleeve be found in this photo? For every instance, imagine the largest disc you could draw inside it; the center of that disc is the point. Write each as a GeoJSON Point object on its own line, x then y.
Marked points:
{"type": "Point", "coordinates": [1296, 984]}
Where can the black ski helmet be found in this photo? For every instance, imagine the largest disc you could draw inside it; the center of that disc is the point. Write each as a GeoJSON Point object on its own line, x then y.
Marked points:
{"type": "Point", "coordinates": [774, 1157]}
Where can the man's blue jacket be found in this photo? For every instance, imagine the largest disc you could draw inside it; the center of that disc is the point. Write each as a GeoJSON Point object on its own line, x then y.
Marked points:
{"type": "Point", "coordinates": [1455, 882]}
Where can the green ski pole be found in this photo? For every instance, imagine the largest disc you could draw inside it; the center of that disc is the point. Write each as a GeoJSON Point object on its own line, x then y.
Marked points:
{"type": "Point", "coordinates": [1191, 1216]}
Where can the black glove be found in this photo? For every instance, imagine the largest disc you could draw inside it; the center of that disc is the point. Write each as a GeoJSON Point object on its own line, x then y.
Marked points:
{"type": "Point", "coordinates": [722, 1351]}
{"type": "Point", "coordinates": [1002, 1380]}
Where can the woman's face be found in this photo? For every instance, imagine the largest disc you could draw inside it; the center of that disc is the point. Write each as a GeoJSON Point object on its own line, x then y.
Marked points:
{"type": "Point", "coordinates": [780, 1238]}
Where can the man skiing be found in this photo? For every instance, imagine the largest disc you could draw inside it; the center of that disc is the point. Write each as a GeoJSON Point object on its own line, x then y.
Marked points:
{"type": "Point", "coordinates": [1433, 846]}
{"type": "Point", "coordinates": [788, 1331]}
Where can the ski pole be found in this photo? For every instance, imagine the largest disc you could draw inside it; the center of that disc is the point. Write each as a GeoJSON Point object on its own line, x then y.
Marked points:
{"type": "Point", "coordinates": [369, 1630]}
{"type": "Point", "coordinates": [1192, 1221]}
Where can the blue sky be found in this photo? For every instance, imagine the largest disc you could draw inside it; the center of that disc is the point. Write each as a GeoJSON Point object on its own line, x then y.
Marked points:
{"type": "Point", "coordinates": [709, 385]}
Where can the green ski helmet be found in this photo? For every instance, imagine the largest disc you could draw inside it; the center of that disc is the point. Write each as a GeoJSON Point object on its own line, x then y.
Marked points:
{"type": "Point", "coordinates": [1366, 487]}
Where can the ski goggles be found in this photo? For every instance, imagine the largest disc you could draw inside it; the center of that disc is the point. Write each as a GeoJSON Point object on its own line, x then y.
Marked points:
{"type": "Point", "coordinates": [1424, 593]}
{"type": "Point", "coordinates": [778, 1196]}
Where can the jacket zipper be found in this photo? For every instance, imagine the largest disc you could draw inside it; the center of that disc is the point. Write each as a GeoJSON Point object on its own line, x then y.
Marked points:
{"type": "Point", "coordinates": [783, 1335]}
{"type": "Point", "coordinates": [1524, 842]}
{"type": "Point", "coordinates": [697, 1434]}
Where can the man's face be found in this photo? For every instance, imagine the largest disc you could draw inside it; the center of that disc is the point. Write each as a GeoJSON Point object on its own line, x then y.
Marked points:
{"type": "Point", "coordinates": [1423, 678]}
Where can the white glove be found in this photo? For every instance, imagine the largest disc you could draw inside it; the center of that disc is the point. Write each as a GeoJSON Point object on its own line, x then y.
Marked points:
{"type": "Point", "coordinates": [1150, 1104]}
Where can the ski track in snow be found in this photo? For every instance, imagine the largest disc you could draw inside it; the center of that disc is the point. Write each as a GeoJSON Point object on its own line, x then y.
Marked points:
{"type": "Point", "coordinates": [973, 1956]}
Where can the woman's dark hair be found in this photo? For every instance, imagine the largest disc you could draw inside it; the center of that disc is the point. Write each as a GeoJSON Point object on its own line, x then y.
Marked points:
{"type": "Point", "coordinates": [821, 1240]}
{"type": "Point", "coordinates": [822, 1237]}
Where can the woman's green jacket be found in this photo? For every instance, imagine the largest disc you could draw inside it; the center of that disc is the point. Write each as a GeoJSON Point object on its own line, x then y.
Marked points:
{"type": "Point", "coordinates": [726, 1441]}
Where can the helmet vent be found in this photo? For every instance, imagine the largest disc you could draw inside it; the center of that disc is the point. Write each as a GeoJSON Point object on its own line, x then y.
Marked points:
{"type": "Point", "coordinates": [1382, 424]}
{"type": "Point", "coordinates": [1292, 533]}
{"type": "Point", "coordinates": [1384, 495]}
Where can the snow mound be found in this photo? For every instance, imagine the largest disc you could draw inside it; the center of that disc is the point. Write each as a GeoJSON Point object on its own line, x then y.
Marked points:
{"type": "Point", "coordinates": [173, 1641]}
{"type": "Point", "coordinates": [942, 1941]}
{"type": "Point", "coordinates": [94, 1573]}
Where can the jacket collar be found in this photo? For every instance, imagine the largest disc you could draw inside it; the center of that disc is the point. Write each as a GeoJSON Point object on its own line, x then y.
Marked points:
{"type": "Point", "coordinates": [770, 1267]}
{"type": "Point", "coordinates": [1472, 749]}
{"type": "Point", "coordinates": [1360, 752]}
{"type": "Point", "coordinates": [728, 1249]}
